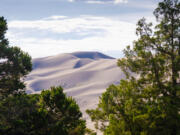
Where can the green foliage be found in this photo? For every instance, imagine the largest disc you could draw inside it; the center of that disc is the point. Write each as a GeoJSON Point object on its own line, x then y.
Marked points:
{"type": "Point", "coordinates": [90, 132]}
{"type": "Point", "coordinates": [63, 114]}
{"type": "Point", "coordinates": [19, 115]}
{"type": "Point", "coordinates": [148, 102]}
{"type": "Point", "coordinates": [14, 65]}
{"type": "Point", "coordinates": [48, 113]}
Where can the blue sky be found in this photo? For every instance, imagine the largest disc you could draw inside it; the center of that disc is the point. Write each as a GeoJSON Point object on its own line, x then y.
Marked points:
{"type": "Point", "coordinates": [49, 27]}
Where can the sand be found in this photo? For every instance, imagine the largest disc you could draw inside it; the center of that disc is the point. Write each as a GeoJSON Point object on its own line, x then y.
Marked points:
{"type": "Point", "coordinates": [83, 75]}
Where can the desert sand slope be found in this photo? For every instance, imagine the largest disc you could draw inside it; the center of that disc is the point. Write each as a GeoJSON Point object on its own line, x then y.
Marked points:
{"type": "Point", "coordinates": [83, 75]}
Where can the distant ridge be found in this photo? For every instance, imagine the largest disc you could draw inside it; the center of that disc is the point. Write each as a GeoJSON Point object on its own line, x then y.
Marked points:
{"type": "Point", "coordinates": [91, 55]}
{"type": "Point", "coordinates": [65, 57]}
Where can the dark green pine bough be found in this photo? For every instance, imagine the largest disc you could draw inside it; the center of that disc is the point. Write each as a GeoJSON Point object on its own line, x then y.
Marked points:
{"type": "Point", "coordinates": [148, 101]}
{"type": "Point", "coordinates": [14, 64]}
{"type": "Point", "coordinates": [48, 113]}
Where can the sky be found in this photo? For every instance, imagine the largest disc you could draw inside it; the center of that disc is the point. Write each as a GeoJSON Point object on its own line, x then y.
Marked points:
{"type": "Point", "coordinates": [49, 27]}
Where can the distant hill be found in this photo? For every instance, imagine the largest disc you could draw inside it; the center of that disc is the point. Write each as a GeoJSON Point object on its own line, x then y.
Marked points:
{"type": "Point", "coordinates": [83, 75]}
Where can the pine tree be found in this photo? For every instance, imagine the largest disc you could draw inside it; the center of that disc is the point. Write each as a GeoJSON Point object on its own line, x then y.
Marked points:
{"type": "Point", "coordinates": [62, 113]}
{"type": "Point", "coordinates": [14, 65]}
{"type": "Point", "coordinates": [148, 102]}
{"type": "Point", "coordinates": [48, 113]}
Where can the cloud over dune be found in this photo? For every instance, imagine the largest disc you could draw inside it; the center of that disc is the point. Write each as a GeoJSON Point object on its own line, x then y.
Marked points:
{"type": "Point", "coordinates": [58, 34]}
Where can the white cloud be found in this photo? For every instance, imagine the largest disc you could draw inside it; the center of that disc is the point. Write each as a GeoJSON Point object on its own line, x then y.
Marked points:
{"type": "Point", "coordinates": [55, 17]}
{"type": "Point", "coordinates": [101, 1]}
{"type": "Point", "coordinates": [107, 35]}
{"type": "Point", "coordinates": [58, 25]}
{"type": "Point", "coordinates": [71, 0]}
{"type": "Point", "coordinates": [96, 2]}
{"type": "Point", "coordinates": [120, 1]}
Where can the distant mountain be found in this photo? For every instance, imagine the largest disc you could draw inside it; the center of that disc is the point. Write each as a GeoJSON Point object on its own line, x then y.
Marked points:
{"type": "Point", "coordinates": [83, 75]}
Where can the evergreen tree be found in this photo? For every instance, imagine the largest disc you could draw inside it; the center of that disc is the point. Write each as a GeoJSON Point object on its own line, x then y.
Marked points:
{"type": "Point", "coordinates": [48, 113]}
{"type": "Point", "coordinates": [14, 65]}
{"type": "Point", "coordinates": [63, 115]}
{"type": "Point", "coordinates": [148, 102]}
{"type": "Point", "coordinates": [20, 115]}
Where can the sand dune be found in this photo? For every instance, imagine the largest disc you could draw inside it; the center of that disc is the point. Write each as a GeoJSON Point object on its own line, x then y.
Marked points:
{"type": "Point", "coordinates": [83, 75]}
